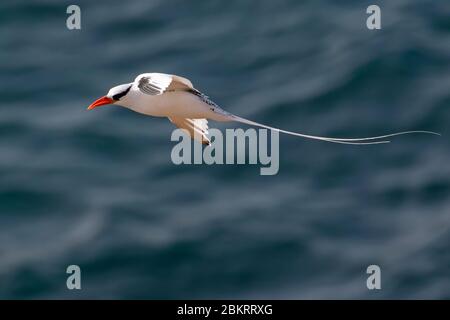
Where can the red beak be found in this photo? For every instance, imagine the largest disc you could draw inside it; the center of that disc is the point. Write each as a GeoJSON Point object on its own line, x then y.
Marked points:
{"type": "Point", "coordinates": [100, 102]}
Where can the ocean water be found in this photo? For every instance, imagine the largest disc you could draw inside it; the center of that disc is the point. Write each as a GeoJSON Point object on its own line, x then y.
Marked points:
{"type": "Point", "coordinates": [98, 189]}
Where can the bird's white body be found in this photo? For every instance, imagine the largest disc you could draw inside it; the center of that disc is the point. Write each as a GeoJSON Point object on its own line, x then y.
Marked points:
{"type": "Point", "coordinates": [171, 104]}
{"type": "Point", "coordinates": [174, 97]}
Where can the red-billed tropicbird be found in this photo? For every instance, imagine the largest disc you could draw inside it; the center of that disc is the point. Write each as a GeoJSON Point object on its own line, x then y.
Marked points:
{"type": "Point", "coordinates": [174, 97]}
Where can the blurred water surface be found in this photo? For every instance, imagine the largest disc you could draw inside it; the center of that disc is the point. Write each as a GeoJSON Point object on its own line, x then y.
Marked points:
{"type": "Point", "coordinates": [98, 189]}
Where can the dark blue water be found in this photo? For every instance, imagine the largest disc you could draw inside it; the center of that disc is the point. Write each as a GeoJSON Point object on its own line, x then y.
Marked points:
{"type": "Point", "coordinates": [98, 189]}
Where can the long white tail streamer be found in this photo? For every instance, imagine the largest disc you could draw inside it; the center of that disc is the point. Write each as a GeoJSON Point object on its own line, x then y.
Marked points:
{"type": "Point", "coordinates": [357, 141]}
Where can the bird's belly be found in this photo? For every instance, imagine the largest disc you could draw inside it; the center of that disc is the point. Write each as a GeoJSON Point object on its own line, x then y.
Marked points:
{"type": "Point", "coordinates": [150, 105]}
{"type": "Point", "coordinates": [174, 104]}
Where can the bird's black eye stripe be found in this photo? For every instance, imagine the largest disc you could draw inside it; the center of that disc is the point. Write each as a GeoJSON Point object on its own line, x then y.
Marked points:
{"type": "Point", "coordinates": [121, 94]}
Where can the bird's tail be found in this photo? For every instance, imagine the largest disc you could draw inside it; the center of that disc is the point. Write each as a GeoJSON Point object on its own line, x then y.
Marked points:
{"type": "Point", "coordinates": [357, 141]}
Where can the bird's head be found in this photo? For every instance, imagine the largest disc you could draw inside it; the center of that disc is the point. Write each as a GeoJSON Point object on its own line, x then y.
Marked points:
{"type": "Point", "coordinates": [114, 95]}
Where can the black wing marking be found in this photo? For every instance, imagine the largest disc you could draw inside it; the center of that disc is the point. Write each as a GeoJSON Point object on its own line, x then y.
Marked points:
{"type": "Point", "coordinates": [214, 107]}
{"type": "Point", "coordinates": [204, 98]}
{"type": "Point", "coordinates": [151, 87]}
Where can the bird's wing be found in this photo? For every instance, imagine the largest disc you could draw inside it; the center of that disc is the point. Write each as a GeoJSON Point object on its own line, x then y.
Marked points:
{"type": "Point", "coordinates": [196, 128]}
{"type": "Point", "coordinates": [158, 83]}
{"type": "Point", "coordinates": [180, 83]}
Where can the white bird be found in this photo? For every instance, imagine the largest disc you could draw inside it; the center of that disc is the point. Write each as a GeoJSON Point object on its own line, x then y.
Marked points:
{"type": "Point", "coordinates": [174, 97]}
